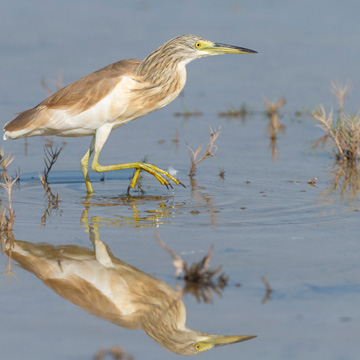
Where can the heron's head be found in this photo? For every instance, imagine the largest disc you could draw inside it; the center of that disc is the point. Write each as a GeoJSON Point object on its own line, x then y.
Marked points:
{"type": "Point", "coordinates": [180, 51]}
{"type": "Point", "coordinates": [190, 47]}
{"type": "Point", "coordinates": [192, 342]}
{"type": "Point", "coordinates": [206, 342]}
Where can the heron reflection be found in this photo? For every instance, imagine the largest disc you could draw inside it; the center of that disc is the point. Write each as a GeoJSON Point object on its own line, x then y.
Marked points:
{"type": "Point", "coordinates": [107, 287]}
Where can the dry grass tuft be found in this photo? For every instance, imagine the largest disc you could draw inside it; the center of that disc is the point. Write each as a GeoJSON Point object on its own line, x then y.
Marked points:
{"type": "Point", "coordinates": [343, 131]}
{"type": "Point", "coordinates": [209, 152]}
{"type": "Point", "coordinates": [272, 109]}
{"type": "Point", "coordinates": [199, 279]}
{"type": "Point", "coordinates": [5, 161]}
{"type": "Point", "coordinates": [7, 216]}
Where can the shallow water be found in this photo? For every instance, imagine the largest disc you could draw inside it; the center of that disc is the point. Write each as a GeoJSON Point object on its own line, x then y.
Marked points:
{"type": "Point", "coordinates": [264, 219]}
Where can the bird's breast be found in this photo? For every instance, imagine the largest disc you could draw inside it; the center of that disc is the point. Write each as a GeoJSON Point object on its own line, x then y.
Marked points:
{"type": "Point", "coordinates": [134, 98]}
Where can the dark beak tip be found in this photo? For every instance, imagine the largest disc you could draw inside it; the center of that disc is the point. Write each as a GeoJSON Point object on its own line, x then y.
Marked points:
{"type": "Point", "coordinates": [246, 50]}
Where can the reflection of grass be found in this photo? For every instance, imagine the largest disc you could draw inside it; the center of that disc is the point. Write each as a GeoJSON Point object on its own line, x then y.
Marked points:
{"type": "Point", "coordinates": [199, 279]}
{"type": "Point", "coordinates": [272, 111]}
{"type": "Point", "coordinates": [343, 131]}
{"type": "Point", "coordinates": [241, 113]}
{"type": "Point", "coordinates": [187, 113]}
{"type": "Point", "coordinates": [346, 180]}
{"type": "Point", "coordinates": [7, 216]}
{"type": "Point", "coordinates": [7, 244]}
{"type": "Point", "coordinates": [204, 200]}
{"type": "Point", "coordinates": [274, 127]}
{"type": "Point", "coordinates": [268, 289]}
{"type": "Point", "coordinates": [115, 353]}
{"type": "Point", "coordinates": [7, 219]}
{"type": "Point", "coordinates": [222, 173]}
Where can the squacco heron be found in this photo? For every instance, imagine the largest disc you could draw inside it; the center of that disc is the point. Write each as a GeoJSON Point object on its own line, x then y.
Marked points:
{"type": "Point", "coordinates": [109, 288]}
{"type": "Point", "coordinates": [115, 95]}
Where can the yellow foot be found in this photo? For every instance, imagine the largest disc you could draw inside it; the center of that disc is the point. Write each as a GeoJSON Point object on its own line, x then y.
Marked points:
{"type": "Point", "coordinates": [153, 170]}
{"type": "Point", "coordinates": [160, 175]}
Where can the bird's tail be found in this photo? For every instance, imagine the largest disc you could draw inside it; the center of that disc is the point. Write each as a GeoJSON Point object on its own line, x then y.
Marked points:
{"type": "Point", "coordinates": [21, 125]}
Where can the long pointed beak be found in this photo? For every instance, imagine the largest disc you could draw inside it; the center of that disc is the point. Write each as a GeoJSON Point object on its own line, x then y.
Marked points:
{"type": "Point", "coordinates": [218, 48]}
{"type": "Point", "coordinates": [219, 340]}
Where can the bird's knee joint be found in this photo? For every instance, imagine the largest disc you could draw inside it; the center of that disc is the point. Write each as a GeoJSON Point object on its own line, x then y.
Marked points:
{"type": "Point", "coordinates": [95, 167]}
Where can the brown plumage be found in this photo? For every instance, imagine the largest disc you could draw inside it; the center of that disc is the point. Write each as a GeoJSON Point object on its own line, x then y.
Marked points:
{"type": "Point", "coordinates": [113, 290]}
{"type": "Point", "coordinates": [111, 97]}
{"type": "Point", "coordinates": [75, 98]}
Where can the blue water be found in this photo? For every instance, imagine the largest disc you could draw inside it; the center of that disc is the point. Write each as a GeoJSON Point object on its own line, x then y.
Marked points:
{"type": "Point", "coordinates": [264, 218]}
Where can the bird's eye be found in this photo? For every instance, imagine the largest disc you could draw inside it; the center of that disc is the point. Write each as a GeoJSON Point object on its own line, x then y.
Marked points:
{"type": "Point", "coordinates": [198, 45]}
{"type": "Point", "coordinates": [197, 347]}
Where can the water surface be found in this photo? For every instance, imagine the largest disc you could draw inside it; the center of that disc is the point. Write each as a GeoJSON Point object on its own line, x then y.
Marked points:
{"type": "Point", "coordinates": [263, 218]}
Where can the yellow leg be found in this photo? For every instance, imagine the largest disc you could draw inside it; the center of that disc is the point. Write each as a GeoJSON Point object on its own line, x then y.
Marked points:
{"type": "Point", "coordinates": [151, 169]}
{"type": "Point", "coordinates": [84, 167]}
{"type": "Point", "coordinates": [135, 177]}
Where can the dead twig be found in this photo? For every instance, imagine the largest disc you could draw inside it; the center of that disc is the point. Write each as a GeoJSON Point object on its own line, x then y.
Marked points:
{"type": "Point", "coordinates": [209, 152]}
{"type": "Point", "coordinates": [51, 156]}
